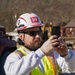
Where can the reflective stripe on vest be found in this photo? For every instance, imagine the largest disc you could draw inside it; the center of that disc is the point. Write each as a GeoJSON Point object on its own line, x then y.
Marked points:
{"type": "Point", "coordinates": [48, 65]}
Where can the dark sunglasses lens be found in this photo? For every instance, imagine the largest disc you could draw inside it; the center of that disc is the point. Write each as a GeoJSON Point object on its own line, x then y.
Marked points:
{"type": "Point", "coordinates": [34, 33]}
{"type": "Point", "coordinates": [31, 33]}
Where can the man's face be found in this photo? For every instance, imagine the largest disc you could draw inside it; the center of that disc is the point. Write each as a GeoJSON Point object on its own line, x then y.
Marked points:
{"type": "Point", "coordinates": [32, 38]}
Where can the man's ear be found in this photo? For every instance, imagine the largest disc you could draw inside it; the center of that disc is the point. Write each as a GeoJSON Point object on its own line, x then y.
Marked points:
{"type": "Point", "coordinates": [21, 36]}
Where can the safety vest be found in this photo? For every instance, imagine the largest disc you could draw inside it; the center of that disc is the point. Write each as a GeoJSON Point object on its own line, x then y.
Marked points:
{"type": "Point", "coordinates": [48, 65]}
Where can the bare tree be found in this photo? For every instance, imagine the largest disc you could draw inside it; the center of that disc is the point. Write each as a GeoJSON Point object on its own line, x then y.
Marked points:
{"type": "Point", "coordinates": [48, 10]}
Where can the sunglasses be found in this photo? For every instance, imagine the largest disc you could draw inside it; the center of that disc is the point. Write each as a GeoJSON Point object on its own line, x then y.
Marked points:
{"type": "Point", "coordinates": [33, 33]}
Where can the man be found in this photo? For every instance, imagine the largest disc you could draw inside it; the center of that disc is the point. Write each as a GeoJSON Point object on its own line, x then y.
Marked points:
{"type": "Point", "coordinates": [34, 58]}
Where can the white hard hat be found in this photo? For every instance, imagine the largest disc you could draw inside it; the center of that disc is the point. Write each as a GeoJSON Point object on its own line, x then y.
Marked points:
{"type": "Point", "coordinates": [28, 20]}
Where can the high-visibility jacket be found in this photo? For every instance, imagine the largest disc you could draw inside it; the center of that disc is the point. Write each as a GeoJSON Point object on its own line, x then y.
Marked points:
{"type": "Point", "coordinates": [48, 65]}
{"type": "Point", "coordinates": [16, 65]}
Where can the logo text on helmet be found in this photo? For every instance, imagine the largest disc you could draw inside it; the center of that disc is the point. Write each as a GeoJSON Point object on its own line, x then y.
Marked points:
{"type": "Point", "coordinates": [34, 19]}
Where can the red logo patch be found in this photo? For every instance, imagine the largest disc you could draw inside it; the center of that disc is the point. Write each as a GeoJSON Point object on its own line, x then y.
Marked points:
{"type": "Point", "coordinates": [34, 19]}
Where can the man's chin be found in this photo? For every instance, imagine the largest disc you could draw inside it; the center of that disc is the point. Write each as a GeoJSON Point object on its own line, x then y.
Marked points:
{"type": "Point", "coordinates": [38, 45]}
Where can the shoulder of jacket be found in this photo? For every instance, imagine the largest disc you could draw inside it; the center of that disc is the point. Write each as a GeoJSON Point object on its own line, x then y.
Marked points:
{"type": "Point", "coordinates": [19, 53]}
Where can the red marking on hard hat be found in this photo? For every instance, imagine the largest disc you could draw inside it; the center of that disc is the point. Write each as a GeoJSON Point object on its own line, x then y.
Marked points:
{"type": "Point", "coordinates": [23, 19]}
{"type": "Point", "coordinates": [24, 26]}
{"type": "Point", "coordinates": [34, 19]}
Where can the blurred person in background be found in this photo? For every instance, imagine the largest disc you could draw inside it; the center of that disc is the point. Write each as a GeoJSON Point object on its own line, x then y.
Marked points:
{"type": "Point", "coordinates": [6, 47]}
{"type": "Point", "coordinates": [34, 58]}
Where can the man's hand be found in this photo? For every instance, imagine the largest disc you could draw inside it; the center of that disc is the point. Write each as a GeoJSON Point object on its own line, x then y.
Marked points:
{"type": "Point", "coordinates": [50, 44]}
{"type": "Point", "coordinates": [62, 49]}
